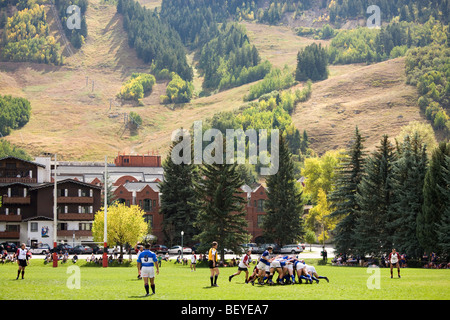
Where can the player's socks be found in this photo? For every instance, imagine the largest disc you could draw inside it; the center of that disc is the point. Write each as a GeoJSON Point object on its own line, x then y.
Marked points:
{"type": "Point", "coordinates": [293, 279]}
{"type": "Point", "coordinates": [18, 274]}
{"type": "Point", "coordinates": [215, 279]}
{"type": "Point", "coordinates": [321, 277]}
{"type": "Point", "coordinates": [212, 280]}
{"type": "Point", "coordinates": [153, 288]}
{"type": "Point", "coordinates": [146, 288]}
{"type": "Point", "coordinates": [23, 272]}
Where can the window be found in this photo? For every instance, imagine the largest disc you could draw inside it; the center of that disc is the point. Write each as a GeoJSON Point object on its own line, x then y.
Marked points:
{"type": "Point", "coordinates": [13, 228]}
{"type": "Point", "coordinates": [33, 226]}
{"type": "Point", "coordinates": [84, 209]}
{"type": "Point", "coordinates": [85, 226]}
{"type": "Point", "coordinates": [260, 206]}
{"type": "Point", "coordinates": [147, 205]}
{"type": "Point", "coordinates": [62, 226]}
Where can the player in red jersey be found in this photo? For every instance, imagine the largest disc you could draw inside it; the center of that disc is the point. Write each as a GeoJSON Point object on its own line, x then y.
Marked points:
{"type": "Point", "coordinates": [243, 266]}
{"type": "Point", "coordinates": [394, 259]}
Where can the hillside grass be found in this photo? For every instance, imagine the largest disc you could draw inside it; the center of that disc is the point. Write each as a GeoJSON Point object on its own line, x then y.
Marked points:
{"type": "Point", "coordinates": [177, 282]}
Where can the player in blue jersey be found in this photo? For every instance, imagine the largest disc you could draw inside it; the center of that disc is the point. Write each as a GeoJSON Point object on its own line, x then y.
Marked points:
{"type": "Point", "coordinates": [263, 264]}
{"type": "Point", "coordinates": [146, 262]}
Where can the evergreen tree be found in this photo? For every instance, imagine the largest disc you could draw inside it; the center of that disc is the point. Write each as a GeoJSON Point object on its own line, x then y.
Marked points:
{"type": "Point", "coordinates": [374, 198]}
{"type": "Point", "coordinates": [178, 200]}
{"type": "Point", "coordinates": [443, 227]}
{"type": "Point", "coordinates": [407, 201]}
{"type": "Point", "coordinates": [283, 222]}
{"type": "Point", "coordinates": [434, 202]}
{"type": "Point", "coordinates": [221, 212]}
{"type": "Point", "coordinates": [312, 63]}
{"type": "Point", "coordinates": [343, 198]}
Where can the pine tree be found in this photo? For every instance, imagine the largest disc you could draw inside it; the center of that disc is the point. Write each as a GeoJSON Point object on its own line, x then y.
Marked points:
{"type": "Point", "coordinates": [178, 200]}
{"type": "Point", "coordinates": [374, 198]}
{"type": "Point", "coordinates": [443, 227]}
{"type": "Point", "coordinates": [283, 222]}
{"type": "Point", "coordinates": [343, 198]}
{"type": "Point", "coordinates": [407, 180]}
{"type": "Point", "coordinates": [221, 212]}
{"type": "Point", "coordinates": [433, 199]}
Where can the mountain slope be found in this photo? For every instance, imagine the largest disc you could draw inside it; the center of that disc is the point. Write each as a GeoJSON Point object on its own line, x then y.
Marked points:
{"type": "Point", "coordinates": [375, 98]}
{"type": "Point", "coordinates": [75, 113]}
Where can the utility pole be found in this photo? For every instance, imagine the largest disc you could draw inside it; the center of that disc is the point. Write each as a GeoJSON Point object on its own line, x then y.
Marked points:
{"type": "Point", "coordinates": [55, 217]}
{"type": "Point", "coordinates": [105, 228]}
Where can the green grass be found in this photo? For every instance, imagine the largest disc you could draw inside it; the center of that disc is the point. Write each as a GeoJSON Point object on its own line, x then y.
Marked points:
{"type": "Point", "coordinates": [176, 282]}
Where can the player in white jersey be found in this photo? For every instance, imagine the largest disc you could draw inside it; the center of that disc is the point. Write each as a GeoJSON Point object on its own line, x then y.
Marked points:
{"type": "Point", "coordinates": [22, 259]}
{"type": "Point", "coordinates": [193, 261]}
{"type": "Point", "coordinates": [243, 266]}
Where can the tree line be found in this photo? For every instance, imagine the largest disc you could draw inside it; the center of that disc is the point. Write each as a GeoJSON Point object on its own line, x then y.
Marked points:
{"type": "Point", "coordinates": [427, 69]}
{"type": "Point", "coordinates": [26, 36]}
{"type": "Point", "coordinates": [155, 41]}
{"type": "Point", "coordinates": [395, 197]}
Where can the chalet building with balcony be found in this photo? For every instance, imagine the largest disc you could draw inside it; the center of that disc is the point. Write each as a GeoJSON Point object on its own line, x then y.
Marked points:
{"type": "Point", "coordinates": [26, 214]}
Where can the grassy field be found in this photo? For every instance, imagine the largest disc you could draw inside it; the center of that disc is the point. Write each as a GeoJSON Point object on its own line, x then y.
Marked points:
{"type": "Point", "coordinates": [176, 282]}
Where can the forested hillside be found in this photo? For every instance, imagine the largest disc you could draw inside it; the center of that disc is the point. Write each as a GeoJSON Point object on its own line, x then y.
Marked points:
{"type": "Point", "coordinates": [242, 59]}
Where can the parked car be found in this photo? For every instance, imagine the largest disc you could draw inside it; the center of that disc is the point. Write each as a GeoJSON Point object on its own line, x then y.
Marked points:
{"type": "Point", "coordinates": [276, 248]}
{"type": "Point", "coordinates": [9, 246]}
{"type": "Point", "coordinates": [83, 250]}
{"type": "Point", "coordinates": [253, 246]}
{"type": "Point", "coordinates": [291, 248]}
{"type": "Point", "coordinates": [62, 248]}
{"type": "Point", "coordinates": [159, 248]}
{"type": "Point", "coordinates": [177, 250]}
{"type": "Point", "coordinates": [41, 248]}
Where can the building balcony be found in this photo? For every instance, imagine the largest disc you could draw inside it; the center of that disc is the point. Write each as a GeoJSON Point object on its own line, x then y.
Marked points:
{"type": "Point", "coordinates": [78, 233]}
{"type": "Point", "coordinates": [23, 180]}
{"type": "Point", "coordinates": [10, 217]}
{"type": "Point", "coordinates": [76, 216]}
{"type": "Point", "coordinates": [9, 234]}
{"type": "Point", "coordinates": [77, 200]}
{"type": "Point", "coordinates": [16, 200]}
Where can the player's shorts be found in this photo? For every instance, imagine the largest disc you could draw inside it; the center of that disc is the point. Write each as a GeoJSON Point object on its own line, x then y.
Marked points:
{"type": "Point", "coordinates": [242, 269]}
{"type": "Point", "coordinates": [311, 269]}
{"type": "Point", "coordinates": [22, 263]}
{"type": "Point", "coordinates": [210, 264]}
{"type": "Point", "coordinates": [275, 264]}
{"type": "Point", "coordinates": [147, 272]}
{"type": "Point", "coordinates": [289, 266]}
{"type": "Point", "coordinates": [261, 266]}
{"type": "Point", "coordinates": [300, 266]}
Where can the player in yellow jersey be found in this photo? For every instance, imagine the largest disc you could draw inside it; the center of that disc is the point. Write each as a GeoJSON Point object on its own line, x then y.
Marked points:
{"type": "Point", "coordinates": [213, 265]}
